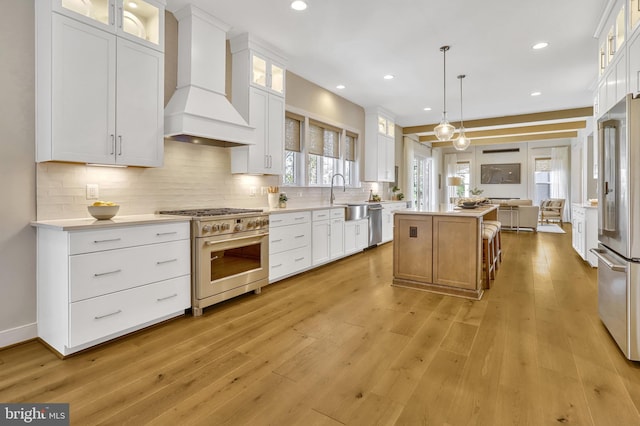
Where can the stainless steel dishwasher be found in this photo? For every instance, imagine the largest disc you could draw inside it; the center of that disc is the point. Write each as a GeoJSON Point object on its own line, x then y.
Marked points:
{"type": "Point", "coordinates": [375, 224]}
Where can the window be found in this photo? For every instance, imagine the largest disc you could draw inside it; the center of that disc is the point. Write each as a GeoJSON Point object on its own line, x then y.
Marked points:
{"type": "Point", "coordinates": [542, 179]}
{"type": "Point", "coordinates": [315, 151]}
{"type": "Point", "coordinates": [463, 169]}
{"type": "Point", "coordinates": [350, 169]}
{"type": "Point", "coordinates": [292, 149]}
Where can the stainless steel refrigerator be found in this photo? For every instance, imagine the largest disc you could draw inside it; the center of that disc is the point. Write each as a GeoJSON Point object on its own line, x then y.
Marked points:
{"type": "Point", "coordinates": [618, 249]}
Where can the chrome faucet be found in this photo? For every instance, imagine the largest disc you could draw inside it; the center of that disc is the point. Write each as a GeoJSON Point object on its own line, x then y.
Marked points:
{"type": "Point", "coordinates": [344, 186]}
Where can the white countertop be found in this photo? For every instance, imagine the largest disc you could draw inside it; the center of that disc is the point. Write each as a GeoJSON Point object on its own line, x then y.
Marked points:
{"type": "Point", "coordinates": [91, 223]}
{"type": "Point", "coordinates": [445, 210]}
{"type": "Point", "coordinates": [320, 206]}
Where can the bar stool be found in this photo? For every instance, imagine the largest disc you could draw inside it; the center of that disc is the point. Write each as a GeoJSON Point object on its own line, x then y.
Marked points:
{"type": "Point", "coordinates": [488, 254]}
{"type": "Point", "coordinates": [498, 243]}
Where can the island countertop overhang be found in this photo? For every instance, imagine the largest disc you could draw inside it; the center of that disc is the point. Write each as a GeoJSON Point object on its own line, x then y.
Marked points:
{"type": "Point", "coordinates": [445, 210]}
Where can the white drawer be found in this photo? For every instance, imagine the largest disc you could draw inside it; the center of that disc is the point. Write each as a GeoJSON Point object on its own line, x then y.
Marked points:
{"type": "Point", "coordinates": [95, 274]}
{"type": "Point", "coordinates": [337, 213]}
{"type": "Point", "coordinates": [102, 316]}
{"type": "Point", "coordinates": [289, 237]}
{"type": "Point", "coordinates": [321, 214]}
{"type": "Point", "coordinates": [127, 236]}
{"type": "Point", "coordinates": [285, 219]}
{"type": "Point", "coordinates": [289, 262]}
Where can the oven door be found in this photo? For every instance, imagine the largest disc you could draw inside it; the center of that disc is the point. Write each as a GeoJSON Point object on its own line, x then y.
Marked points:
{"type": "Point", "coordinates": [225, 265]}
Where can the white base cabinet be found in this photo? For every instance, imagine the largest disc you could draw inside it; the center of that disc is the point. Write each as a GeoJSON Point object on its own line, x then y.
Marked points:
{"type": "Point", "coordinates": [388, 210]}
{"type": "Point", "coordinates": [356, 236]}
{"type": "Point", "coordinates": [98, 284]}
{"type": "Point", "coordinates": [289, 244]}
{"type": "Point", "coordinates": [327, 235]}
{"type": "Point", "coordinates": [585, 231]}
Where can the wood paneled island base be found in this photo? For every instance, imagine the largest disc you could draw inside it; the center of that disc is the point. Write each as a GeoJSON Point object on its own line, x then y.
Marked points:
{"type": "Point", "coordinates": [441, 250]}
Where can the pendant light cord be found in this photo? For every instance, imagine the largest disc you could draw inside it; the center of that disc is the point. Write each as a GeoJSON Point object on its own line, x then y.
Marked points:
{"type": "Point", "coordinates": [444, 79]}
{"type": "Point", "coordinates": [461, 76]}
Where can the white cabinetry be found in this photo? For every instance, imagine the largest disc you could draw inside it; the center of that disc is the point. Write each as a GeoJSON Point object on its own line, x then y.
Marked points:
{"type": "Point", "coordinates": [327, 235]}
{"type": "Point", "coordinates": [98, 284]}
{"type": "Point", "coordinates": [99, 88]}
{"type": "Point", "coordinates": [289, 244]}
{"type": "Point", "coordinates": [379, 150]}
{"type": "Point", "coordinates": [634, 63]}
{"type": "Point", "coordinates": [387, 219]}
{"type": "Point", "coordinates": [356, 235]}
{"type": "Point", "coordinates": [585, 231]}
{"type": "Point", "coordinates": [258, 95]}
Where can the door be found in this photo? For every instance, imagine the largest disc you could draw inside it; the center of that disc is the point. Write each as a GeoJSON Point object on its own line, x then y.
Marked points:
{"type": "Point", "coordinates": [83, 92]}
{"type": "Point", "coordinates": [140, 100]}
{"type": "Point", "coordinates": [336, 237]}
{"type": "Point", "coordinates": [320, 242]}
{"type": "Point", "coordinates": [258, 118]}
{"type": "Point", "coordinates": [275, 141]}
{"type": "Point", "coordinates": [613, 161]}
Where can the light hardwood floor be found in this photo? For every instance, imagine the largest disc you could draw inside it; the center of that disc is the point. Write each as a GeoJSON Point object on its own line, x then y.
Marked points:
{"type": "Point", "coordinates": [340, 345]}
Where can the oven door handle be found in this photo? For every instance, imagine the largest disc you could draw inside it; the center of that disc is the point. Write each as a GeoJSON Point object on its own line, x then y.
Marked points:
{"type": "Point", "coordinates": [251, 237]}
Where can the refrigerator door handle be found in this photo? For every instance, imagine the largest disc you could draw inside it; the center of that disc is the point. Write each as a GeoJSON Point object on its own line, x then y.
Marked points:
{"type": "Point", "coordinates": [600, 254]}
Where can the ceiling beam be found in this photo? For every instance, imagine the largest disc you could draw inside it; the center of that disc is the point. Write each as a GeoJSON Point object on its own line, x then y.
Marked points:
{"type": "Point", "coordinates": [513, 139]}
{"type": "Point", "coordinates": [513, 131]}
{"type": "Point", "coordinates": [509, 120]}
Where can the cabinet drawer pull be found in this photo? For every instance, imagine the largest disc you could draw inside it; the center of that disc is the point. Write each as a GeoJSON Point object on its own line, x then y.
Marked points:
{"type": "Point", "coordinates": [108, 315]}
{"type": "Point", "coordinates": [279, 240]}
{"type": "Point", "coordinates": [113, 144]}
{"type": "Point", "coordinates": [107, 273]}
{"type": "Point", "coordinates": [276, 266]}
{"type": "Point", "coordinates": [161, 234]}
{"type": "Point", "coordinates": [276, 220]}
{"type": "Point", "coordinates": [162, 262]}
{"type": "Point", "coordinates": [120, 139]}
{"type": "Point", "coordinates": [299, 218]}
{"type": "Point", "coordinates": [298, 259]}
{"type": "Point", "coordinates": [107, 241]}
{"type": "Point", "coordinates": [299, 236]}
{"type": "Point", "coordinates": [168, 297]}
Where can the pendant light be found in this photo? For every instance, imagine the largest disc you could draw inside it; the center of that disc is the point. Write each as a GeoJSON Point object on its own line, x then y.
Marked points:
{"type": "Point", "coordinates": [444, 130]}
{"type": "Point", "coordinates": [462, 142]}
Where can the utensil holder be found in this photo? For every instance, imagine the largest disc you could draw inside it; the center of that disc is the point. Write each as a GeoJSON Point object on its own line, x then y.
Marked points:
{"type": "Point", "coordinates": [273, 200]}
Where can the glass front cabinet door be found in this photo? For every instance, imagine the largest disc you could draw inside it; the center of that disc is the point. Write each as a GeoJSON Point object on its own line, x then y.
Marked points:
{"type": "Point", "coordinates": [267, 74]}
{"type": "Point", "coordinates": [141, 21]}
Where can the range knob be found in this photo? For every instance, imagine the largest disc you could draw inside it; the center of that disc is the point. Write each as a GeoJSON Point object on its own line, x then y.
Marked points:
{"type": "Point", "coordinates": [238, 227]}
{"type": "Point", "coordinates": [224, 226]}
{"type": "Point", "coordinates": [206, 228]}
{"type": "Point", "coordinates": [251, 224]}
{"type": "Point", "coordinates": [216, 227]}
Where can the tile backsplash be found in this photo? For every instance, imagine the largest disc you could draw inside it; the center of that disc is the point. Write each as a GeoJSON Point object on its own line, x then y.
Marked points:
{"type": "Point", "coordinates": [193, 176]}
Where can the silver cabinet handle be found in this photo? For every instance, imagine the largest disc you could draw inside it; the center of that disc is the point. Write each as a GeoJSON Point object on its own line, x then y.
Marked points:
{"type": "Point", "coordinates": [276, 266]}
{"type": "Point", "coordinates": [120, 140]}
{"type": "Point", "coordinates": [298, 259]}
{"type": "Point", "coordinates": [599, 253]}
{"type": "Point", "coordinates": [108, 315]}
{"type": "Point", "coordinates": [162, 262]}
{"type": "Point", "coordinates": [276, 220]}
{"type": "Point", "coordinates": [113, 144]}
{"type": "Point", "coordinates": [101, 274]}
{"type": "Point", "coordinates": [161, 234]}
{"type": "Point", "coordinates": [299, 218]}
{"type": "Point", "coordinates": [168, 297]}
{"type": "Point", "coordinates": [113, 14]}
{"type": "Point", "coordinates": [279, 240]}
{"type": "Point", "coordinates": [121, 15]}
{"type": "Point", "coordinates": [107, 241]}
{"type": "Point", "coordinates": [299, 236]}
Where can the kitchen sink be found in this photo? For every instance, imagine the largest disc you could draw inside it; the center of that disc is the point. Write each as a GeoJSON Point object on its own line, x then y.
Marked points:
{"type": "Point", "coordinates": [356, 211]}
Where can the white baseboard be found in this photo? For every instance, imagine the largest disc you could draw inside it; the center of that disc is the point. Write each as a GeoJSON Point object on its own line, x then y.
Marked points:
{"type": "Point", "coordinates": [18, 334]}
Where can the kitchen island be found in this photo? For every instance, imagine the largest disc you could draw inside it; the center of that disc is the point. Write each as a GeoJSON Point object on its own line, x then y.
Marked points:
{"type": "Point", "coordinates": [441, 250]}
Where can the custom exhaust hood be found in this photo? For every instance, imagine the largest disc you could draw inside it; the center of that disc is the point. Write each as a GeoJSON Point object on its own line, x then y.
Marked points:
{"type": "Point", "coordinates": [199, 112]}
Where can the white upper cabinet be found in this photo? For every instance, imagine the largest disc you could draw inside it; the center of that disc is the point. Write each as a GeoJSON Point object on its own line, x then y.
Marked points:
{"type": "Point", "coordinates": [258, 86]}
{"type": "Point", "coordinates": [634, 15]}
{"type": "Point", "coordinates": [379, 149]}
{"type": "Point", "coordinates": [141, 21]}
{"type": "Point", "coordinates": [100, 96]}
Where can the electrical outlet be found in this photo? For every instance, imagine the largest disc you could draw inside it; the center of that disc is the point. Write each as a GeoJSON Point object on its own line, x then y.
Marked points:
{"type": "Point", "coordinates": [252, 191]}
{"type": "Point", "coordinates": [92, 191]}
{"type": "Point", "coordinates": [263, 190]}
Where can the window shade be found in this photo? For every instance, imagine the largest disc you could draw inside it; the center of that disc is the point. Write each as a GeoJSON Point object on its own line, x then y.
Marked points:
{"type": "Point", "coordinates": [543, 164]}
{"type": "Point", "coordinates": [324, 141]}
{"type": "Point", "coordinates": [350, 147]}
{"type": "Point", "coordinates": [292, 134]}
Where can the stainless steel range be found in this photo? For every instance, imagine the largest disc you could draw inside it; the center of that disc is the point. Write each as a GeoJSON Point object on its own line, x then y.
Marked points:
{"type": "Point", "coordinates": [229, 255]}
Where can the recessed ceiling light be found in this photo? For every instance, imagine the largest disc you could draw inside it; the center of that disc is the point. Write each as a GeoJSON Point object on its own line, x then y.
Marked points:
{"type": "Point", "coordinates": [427, 108]}
{"type": "Point", "coordinates": [540, 45]}
{"type": "Point", "coordinates": [298, 5]}
{"type": "Point", "coordinates": [340, 86]}
{"type": "Point", "coordinates": [536, 93]}
{"type": "Point", "coordinates": [388, 77]}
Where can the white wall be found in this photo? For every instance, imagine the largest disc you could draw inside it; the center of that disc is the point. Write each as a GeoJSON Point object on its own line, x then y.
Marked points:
{"type": "Point", "coordinates": [17, 173]}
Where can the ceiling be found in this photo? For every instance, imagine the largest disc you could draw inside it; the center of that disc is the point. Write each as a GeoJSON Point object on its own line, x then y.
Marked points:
{"type": "Point", "coordinates": [357, 42]}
